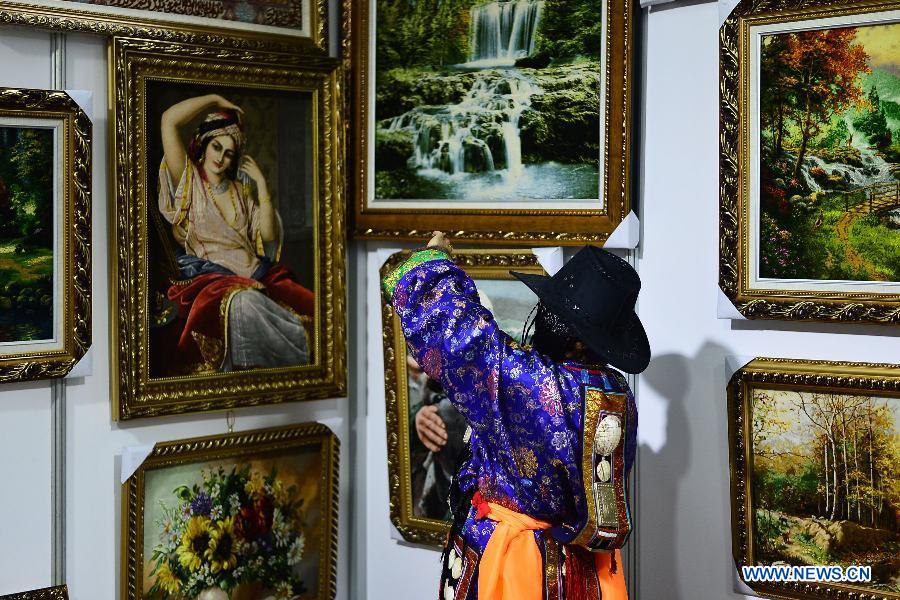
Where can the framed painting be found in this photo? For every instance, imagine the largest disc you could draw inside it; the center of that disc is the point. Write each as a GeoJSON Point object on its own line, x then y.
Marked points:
{"type": "Point", "coordinates": [229, 255]}
{"type": "Point", "coordinates": [51, 593]}
{"type": "Point", "coordinates": [45, 234]}
{"type": "Point", "coordinates": [278, 25]}
{"type": "Point", "coordinates": [502, 121]}
{"type": "Point", "coordinates": [810, 160]}
{"type": "Point", "coordinates": [242, 516]}
{"type": "Point", "coordinates": [421, 465]}
{"type": "Point", "coordinates": [815, 474]}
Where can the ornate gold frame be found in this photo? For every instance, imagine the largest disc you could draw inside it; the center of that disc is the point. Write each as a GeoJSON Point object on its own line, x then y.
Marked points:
{"type": "Point", "coordinates": [734, 174]}
{"type": "Point", "coordinates": [50, 593]}
{"type": "Point", "coordinates": [502, 226]}
{"type": "Point", "coordinates": [233, 445]}
{"type": "Point", "coordinates": [75, 228]}
{"type": "Point", "coordinates": [75, 18]}
{"type": "Point", "coordinates": [840, 377]}
{"type": "Point", "coordinates": [486, 264]}
{"type": "Point", "coordinates": [132, 63]}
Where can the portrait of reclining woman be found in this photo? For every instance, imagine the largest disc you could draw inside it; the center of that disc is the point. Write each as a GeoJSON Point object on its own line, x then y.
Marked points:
{"type": "Point", "coordinates": [231, 301]}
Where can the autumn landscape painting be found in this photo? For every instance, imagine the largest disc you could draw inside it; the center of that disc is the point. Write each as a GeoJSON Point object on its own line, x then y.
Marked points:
{"type": "Point", "coordinates": [829, 120]}
{"type": "Point", "coordinates": [826, 481]}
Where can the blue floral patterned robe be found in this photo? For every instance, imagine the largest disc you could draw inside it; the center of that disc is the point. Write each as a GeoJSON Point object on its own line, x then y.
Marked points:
{"type": "Point", "coordinates": [525, 412]}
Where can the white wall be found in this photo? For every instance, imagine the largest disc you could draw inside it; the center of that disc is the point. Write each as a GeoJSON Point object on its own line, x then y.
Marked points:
{"type": "Point", "coordinates": [684, 526]}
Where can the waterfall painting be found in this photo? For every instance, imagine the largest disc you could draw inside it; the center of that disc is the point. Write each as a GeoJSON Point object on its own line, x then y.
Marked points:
{"type": "Point", "coordinates": [490, 102]}
{"type": "Point", "coordinates": [495, 108]}
{"type": "Point", "coordinates": [813, 213]}
{"type": "Point", "coordinates": [822, 467]}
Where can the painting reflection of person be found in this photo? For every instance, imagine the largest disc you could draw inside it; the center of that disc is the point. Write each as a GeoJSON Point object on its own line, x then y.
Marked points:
{"type": "Point", "coordinates": [442, 430]}
{"type": "Point", "coordinates": [237, 306]}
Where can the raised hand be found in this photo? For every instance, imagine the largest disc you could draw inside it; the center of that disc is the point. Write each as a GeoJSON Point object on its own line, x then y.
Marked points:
{"type": "Point", "coordinates": [226, 104]}
{"type": "Point", "coordinates": [440, 241]}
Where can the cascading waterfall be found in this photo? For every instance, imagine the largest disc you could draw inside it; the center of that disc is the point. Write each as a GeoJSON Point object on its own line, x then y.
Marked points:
{"type": "Point", "coordinates": [481, 133]}
{"type": "Point", "coordinates": [476, 134]}
{"type": "Point", "coordinates": [502, 32]}
{"type": "Point", "coordinates": [875, 170]}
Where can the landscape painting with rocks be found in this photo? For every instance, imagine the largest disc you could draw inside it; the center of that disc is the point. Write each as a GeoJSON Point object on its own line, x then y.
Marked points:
{"type": "Point", "coordinates": [829, 105]}
{"type": "Point", "coordinates": [826, 481]}
{"type": "Point", "coordinates": [26, 234]}
{"type": "Point", "coordinates": [488, 101]}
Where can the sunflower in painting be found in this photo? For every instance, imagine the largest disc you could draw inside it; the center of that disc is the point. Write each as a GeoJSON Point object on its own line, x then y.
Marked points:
{"type": "Point", "coordinates": [194, 543]}
{"type": "Point", "coordinates": [237, 527]}
{"type": "Point", "coordinates": [221, 550]}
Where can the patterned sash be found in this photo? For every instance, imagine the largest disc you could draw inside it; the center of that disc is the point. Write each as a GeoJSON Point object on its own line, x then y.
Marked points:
{"type": "Point", "coordinates": [603, 466]}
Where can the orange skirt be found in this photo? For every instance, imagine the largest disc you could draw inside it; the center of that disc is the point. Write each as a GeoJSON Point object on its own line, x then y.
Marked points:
{"type": "Point", "coordinates": [512, 566]}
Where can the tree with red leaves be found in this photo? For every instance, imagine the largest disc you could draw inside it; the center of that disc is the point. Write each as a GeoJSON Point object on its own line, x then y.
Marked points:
{"type": "Point", "coordinates": [822, 69]}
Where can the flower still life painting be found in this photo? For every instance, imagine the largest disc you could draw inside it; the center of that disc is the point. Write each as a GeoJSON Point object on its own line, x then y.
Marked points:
{"type": "Point", "coordinates": [250, 527]}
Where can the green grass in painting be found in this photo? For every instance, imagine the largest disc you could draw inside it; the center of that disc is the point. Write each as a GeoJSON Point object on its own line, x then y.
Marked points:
{"type": "Point", "coordinates": [879, 243]}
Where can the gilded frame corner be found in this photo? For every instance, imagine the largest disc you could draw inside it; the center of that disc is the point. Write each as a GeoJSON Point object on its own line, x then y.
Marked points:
{"type": "Point", "coordinates": [501, 227]}
{"type": "Point", "coordinates": [841, 377]}
{"type": "Point", "coordinates": [134, 393]}
{"type": "Point", "coordinates": [75, 219]}
{"type": "Point", "coordinates": [229, 446]}
{"type": "Point", "coordinates": [734, 175]}
{"type": "Point", "coordinates": [483, 264]}
{"type": "Point", "coordinates": [59, 592]}
{"type": "Point", "coordinates": [74, 18]}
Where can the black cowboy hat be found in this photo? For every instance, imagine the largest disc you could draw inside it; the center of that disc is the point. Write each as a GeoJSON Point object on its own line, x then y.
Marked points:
{"type": "Point", "coordinates": [595, 293]}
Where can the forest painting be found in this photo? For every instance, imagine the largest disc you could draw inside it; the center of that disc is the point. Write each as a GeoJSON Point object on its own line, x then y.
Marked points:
{"type": "Point", "coordinates": [488, 100]}
{"type": "Point", "coordinates": [829, 120]}
{"type": "Point", "coordinates": [826, 481]}
{"type": "Point", "coordinates": [26, 233]}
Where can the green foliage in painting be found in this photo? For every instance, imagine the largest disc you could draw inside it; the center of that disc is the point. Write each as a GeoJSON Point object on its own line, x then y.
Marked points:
{"type": "Point", "coordinates": [571, 28]}
{"type": "Point", "coordinates": [422, 33]}
{"type": "Point", "coordinates": [829, 126]}
{"type": "Point", "coordinates": [26, 233]}
{"type": "Point", "coordinates": [874, 122]}
{"type": "Point", "coordinates": [26, 170]}
{"type": "Point", "coordinates": [826, 483]}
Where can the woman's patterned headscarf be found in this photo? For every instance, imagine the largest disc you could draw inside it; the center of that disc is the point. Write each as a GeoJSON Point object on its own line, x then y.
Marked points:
{"type": "Point", "coordinates": [226, 122]}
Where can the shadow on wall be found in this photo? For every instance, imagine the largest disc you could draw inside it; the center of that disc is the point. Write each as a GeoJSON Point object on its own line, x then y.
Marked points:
{"type": "Point", "coordinates": [668, 508]}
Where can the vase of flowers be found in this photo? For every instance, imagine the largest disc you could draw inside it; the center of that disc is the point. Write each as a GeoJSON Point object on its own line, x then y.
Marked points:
{"type": "Point", "coordinates": [232, 536]}
{"type": "Point", "coordinates": [213, 593]}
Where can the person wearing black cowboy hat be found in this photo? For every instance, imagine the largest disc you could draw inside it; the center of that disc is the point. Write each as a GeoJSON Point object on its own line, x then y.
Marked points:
{"type": "Point", "coordinates": [541, 502]}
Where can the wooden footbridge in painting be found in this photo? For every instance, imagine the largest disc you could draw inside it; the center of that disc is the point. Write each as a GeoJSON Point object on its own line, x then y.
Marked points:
{"type": "Point", "coordinates": [880, 198]}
